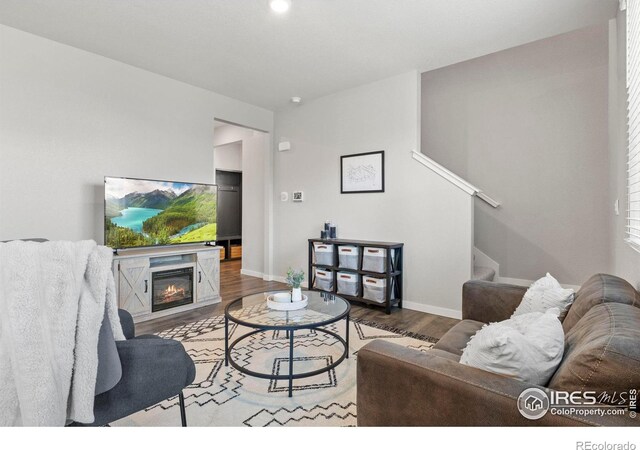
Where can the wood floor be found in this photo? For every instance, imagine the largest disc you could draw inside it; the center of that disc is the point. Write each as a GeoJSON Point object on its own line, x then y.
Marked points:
{"type": "Point", "coordinates": [234, 285]}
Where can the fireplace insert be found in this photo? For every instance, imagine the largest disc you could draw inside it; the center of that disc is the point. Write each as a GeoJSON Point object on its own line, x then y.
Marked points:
{"type": "Point", "coordinates": [171, 288]}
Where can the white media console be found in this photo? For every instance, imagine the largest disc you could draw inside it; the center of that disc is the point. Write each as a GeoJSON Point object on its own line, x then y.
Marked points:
{"type": "Point", "coordinates": [156, 282]}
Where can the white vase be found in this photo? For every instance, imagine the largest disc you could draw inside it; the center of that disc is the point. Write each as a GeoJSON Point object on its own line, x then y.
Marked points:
{"type": "Point", "coordinates": [296, 294]}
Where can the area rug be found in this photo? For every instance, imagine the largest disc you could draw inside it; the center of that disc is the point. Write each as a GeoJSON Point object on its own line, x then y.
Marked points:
{"type": "Point", "coordinates": [223, 396]}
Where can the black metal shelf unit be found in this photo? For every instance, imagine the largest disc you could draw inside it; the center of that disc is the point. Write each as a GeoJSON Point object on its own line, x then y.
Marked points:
{"type": "Point", "coordinates": [227, 242]}
{"type": "Point", "coordinates": [393, 270]}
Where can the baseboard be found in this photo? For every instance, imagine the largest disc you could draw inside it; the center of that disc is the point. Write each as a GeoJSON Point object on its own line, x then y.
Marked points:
{"type": "Point", "coordinates": [527, 283]}
{"type": "Point", "coordinates": [280, 279]}
{"type": "Point", "coordinates": [408, 305]}
{"type": "Point", "coordinates": [275, 278]}
{"type": "Point", "coordinates": [252, 273]}
{"type": "Point", "coordinates": [446, 312]}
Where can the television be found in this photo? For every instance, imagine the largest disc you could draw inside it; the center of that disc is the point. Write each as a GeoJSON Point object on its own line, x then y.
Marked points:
{"type": "Point", "coordinates": [144, 213]}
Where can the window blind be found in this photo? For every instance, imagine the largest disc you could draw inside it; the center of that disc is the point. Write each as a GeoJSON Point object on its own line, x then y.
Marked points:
{"type": "Point", "coordinates": [633, 122]}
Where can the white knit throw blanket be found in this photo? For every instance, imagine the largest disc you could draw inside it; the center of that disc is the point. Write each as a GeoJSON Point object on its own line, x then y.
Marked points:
{"type": "Point", "coordinates": [53, 297]}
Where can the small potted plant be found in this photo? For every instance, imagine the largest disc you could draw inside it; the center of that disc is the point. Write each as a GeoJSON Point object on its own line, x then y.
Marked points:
{"type": "Point", "coordinates": [294, 280]}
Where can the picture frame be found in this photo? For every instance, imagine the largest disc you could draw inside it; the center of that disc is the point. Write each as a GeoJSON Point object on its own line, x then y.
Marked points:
{"type": "Point", "coordinates": [362, 173]}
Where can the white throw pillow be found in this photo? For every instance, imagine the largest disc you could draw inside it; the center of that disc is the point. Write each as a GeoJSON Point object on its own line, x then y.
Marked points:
{"type": "Point", "coordinates": [528, 347]}
{"type": "Point", "coordinates": [546, 282]}
{"type": "Point", "coordinates": [544, 294]}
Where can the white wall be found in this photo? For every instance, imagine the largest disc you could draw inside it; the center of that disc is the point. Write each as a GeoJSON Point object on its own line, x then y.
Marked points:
{"type": "Point", "coordinates": [432, 218]}
{"type": "Point", "coordinates": [626, 261]}
{"type": "Point", "coordinates": [254, 147]}
{"type": "Point", "coordinates": [228, 157]}
{"type": "Point", "coordinates": [528, 125]}
{"type": "Point", "coordinates": [69, 117]}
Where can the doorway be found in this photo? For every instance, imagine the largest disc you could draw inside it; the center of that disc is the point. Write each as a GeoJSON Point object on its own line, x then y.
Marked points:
{"type": "Point", "coordinates": [229, 214]}
{"type": "Point", "coordinates": [240, 158]}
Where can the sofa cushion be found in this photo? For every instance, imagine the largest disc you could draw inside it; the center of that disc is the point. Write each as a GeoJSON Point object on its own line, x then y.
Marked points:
{"type": "Point", "coordinates": [602, 351]}
{"type": "Point", "coordinates": [598, 289]}
{"type": "Point", "coordinates": [456, 339]}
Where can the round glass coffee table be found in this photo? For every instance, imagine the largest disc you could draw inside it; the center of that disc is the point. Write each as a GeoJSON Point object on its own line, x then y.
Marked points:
{"type": "Point", "coordinates": [252, 312]}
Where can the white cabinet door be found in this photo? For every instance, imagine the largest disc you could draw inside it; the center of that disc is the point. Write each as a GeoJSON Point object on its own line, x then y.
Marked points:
{"type": "Point", "coordinates": [134, 285]}
{"type": "Point", "coordinates": [208, 275]}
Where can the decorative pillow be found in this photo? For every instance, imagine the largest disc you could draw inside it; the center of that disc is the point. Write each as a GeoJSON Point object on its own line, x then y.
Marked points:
{"type": "Point", "coordinates": [528, 347]}
{"type": "Point", "coordinates": [544, 294]}
{"type": "Point", "coordinates": [546, 282]}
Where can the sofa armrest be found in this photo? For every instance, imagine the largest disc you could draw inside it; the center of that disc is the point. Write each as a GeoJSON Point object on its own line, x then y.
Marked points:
{"type": "Point", "coordinates": [128, 327]}
{"type": "Point", "coordinates": [398, 386]}
{"type": "Point", "coordinates": [486, 301]}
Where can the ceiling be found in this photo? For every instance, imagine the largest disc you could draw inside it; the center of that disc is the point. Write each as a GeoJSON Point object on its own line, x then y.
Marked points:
{"type": "Point", "coordinates": [241, 49]}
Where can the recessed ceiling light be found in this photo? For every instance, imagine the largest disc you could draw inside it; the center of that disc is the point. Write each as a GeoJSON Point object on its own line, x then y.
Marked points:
{"type": "Point", "coordinates": [280, 6]}
{"type": "Point", "coordinates": [296, 100]}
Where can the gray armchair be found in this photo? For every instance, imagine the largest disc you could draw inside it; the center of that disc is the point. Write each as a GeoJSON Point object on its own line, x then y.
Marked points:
{"type": "Point", "coordinates": [136, 373]}
{"type": "Point", "coordinates": [152, 369]}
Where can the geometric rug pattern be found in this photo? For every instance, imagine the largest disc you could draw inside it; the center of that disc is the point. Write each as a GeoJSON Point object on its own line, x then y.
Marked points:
{"type": "Point", "coordinates": [223, 396]}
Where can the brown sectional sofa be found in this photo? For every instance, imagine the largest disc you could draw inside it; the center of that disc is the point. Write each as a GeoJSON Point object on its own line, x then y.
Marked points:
{"type": "Point", "coordinates": [398, 386]}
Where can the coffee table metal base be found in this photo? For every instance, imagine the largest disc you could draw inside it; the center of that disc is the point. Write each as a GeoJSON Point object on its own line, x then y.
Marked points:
{"type": "Point", "coordinates": [291, 333]}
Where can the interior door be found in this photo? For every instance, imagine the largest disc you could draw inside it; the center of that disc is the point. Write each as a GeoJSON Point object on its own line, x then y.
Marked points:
{"type": "Point", "coordinates": [134, 285]}
{"type": "Point", "coordinates": [207, 276]}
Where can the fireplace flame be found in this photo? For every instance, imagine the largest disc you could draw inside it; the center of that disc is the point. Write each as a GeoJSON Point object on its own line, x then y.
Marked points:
{"type": "Point", "coordinates": [172, 291]}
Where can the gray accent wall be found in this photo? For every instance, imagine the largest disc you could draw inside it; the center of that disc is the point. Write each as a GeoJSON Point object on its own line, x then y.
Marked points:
{"type": "Point", "coordinates": [529, 126]}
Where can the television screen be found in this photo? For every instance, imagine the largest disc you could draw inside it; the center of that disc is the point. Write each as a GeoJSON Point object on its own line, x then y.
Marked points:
{"type": "Point", "coordinates": [141, 213]}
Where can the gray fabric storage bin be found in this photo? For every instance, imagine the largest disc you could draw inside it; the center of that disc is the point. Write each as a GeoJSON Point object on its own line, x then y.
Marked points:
{"type": "Point", "coordinates": [374, 259]}
{"type": "Point", "coordinates": [348, 283]}
{"type": "Point", "coordinates": [324, 280]}
{"type": "Point", "coordinates": [375, 289]}
{"type": "Point", "coordinates": [323, 253]}
{"type": "Point", "coordinates": [348, 256]}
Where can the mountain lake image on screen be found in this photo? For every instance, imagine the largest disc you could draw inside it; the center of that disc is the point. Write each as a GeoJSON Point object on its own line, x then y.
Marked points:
{"type": "Point", "coordinates": [142, 213]}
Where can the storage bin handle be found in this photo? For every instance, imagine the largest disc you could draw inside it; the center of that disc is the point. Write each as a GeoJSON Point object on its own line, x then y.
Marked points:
{"type": "Point", "coordinates": [370, 250]}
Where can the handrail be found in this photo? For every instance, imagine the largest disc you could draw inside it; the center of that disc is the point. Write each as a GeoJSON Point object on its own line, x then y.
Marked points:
{"type": "Point", "coordinates": [482, 196]}
{"type": "Point", "coordinates": [454, 179]}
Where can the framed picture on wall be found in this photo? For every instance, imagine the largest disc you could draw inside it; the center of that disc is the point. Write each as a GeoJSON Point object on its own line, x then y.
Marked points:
{"type": "Point", "coordinates": [362, 173]}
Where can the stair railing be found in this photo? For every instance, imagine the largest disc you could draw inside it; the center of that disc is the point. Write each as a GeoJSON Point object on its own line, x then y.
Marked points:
{"type": "Point", "coordinates": [453, 178]}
